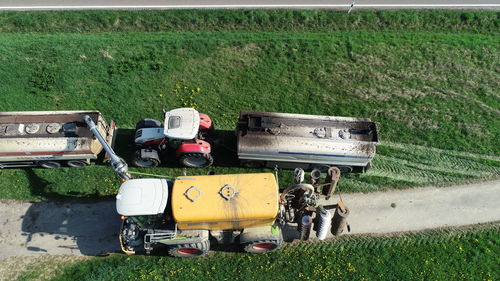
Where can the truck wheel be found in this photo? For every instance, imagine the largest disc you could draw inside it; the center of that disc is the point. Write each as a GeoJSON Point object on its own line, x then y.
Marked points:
{"type": "Point", "coordinates": [148, 123]}
{"type": "Point", "coordinates": [138, 161]}
{"type": "Point", "coordinates": [191, 250]}
{"type": "Point", "coordinates": [196, 160]}
{"type": "Point", "coordinates": [50, 164]}
{"type": "Point", "coordinates": [76, 163]}
{"type": "Point", "coordinates": [263, 246]}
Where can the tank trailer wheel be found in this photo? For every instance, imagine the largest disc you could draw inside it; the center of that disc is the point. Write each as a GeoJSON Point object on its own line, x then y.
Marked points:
{"type": "Point", "coordinates": [50, 164]}
{"type": "Point", "coordinates": [345, 169]}
{"type": "Point", "coordinates": [367, 167]}
{"type": "Point", "coordinates": [148, 123]}
{"type": "Point", "coordinates": [76, 163]}
{"type": "Point", "coordinates": [196, 160]}
{"type": "Point", "coordinates": [190, 250]}
{"type": "Point", "coordinates": [263, 246]}
{"type": "Point", "coordinates": [252, 164]}
{"type": "Point", "coordinates": [138, 161]}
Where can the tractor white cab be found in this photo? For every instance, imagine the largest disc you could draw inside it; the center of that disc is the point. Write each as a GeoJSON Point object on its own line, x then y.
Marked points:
{"type": "Point", "coordinates": [184, 130]}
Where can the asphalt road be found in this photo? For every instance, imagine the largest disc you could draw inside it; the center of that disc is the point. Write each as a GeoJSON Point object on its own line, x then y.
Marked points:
{"type": "Point", "coordinates": [90, 229]}
{"type": "Point", "coordinates": [242, 4]}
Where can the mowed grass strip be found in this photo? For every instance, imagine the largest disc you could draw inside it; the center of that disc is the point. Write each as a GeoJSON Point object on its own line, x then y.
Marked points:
{"type": "Point", "coordinates": [476, 21]}
{"type": "Point", "coordinates": [469, 253]}
{"type": "Point", "coordinates": [424, 89]}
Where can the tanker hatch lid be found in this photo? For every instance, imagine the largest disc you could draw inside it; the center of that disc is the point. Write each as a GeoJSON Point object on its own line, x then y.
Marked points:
{"type": "Point", "coordinates": [182, 123]}
{"type": "Point", "coordinates": [139, 197]}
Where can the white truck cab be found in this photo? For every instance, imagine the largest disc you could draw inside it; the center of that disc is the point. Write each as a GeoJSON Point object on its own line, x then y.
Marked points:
{"type": "Point", "coordinates": [139, 197]}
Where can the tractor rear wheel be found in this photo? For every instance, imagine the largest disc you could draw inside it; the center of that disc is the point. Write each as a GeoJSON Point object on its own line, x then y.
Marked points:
{"type": "Point", "coordinates": [196, 160]}
{"type": "Point", "coordinates": [263, 246]}
{"type": "Point", "coordinates": [190, 250]}
{"type": "Point", "coordinates": [138, 161]}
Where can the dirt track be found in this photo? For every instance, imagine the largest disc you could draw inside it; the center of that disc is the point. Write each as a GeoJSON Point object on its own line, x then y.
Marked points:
{"type": "Point", "coordinates": [91, 229]}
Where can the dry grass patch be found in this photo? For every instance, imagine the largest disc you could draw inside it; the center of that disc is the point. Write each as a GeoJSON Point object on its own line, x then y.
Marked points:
{"type": "Point", "coordinates": [42, 267]}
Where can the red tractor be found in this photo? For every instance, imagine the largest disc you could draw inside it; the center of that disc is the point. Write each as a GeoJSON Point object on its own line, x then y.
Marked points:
{"type": "Point", "coordinates": [185, 130]}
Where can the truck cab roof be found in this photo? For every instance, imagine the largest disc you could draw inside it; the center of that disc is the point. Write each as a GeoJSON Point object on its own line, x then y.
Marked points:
{"type": "Point", "coordinates": [138, 197]}
{"type": "Point", "coordinates": [182, 123]}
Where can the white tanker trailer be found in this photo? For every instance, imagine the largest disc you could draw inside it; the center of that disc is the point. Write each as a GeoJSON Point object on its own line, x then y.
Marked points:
{"type": "Point", "coordinates": [306, 141]}
{"type": "Point", "coordinates": [50, 138]}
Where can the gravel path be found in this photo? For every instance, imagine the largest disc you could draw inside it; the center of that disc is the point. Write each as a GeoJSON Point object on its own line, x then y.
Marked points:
{"type": "Point", "coordinates": [37, 228]}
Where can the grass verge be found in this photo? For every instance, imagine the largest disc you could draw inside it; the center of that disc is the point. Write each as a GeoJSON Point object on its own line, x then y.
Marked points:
{"type": "Point", "coordinates": [255, 20]}
{"type": "Point", "coordinates": [468, 253]}
{"type": "Point", "coordinates": [424, 88]}
{"type": "Point", "coordinates": [35, 267]}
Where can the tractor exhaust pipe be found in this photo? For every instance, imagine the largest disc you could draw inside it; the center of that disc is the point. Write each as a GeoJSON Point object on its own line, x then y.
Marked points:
{"type": "Point", "coordinates": [118, 164]}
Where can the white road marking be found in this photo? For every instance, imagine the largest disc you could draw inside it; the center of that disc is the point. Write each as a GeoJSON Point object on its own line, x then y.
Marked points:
{"type": "Point", "coordinates": [250, 6]}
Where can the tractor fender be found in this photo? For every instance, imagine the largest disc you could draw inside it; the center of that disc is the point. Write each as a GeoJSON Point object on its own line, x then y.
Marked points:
{"type": "Point", "coordinates": [193, 146]}
{"type": "Point", "coordinates": [205, 122]}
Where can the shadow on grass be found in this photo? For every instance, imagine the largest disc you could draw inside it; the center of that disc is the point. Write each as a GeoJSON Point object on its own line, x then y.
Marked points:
{"type": "Point", "coordinates": [40, 187]}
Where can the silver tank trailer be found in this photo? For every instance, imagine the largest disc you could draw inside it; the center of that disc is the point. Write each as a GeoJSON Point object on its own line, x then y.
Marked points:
{"type": "Point", "coordinates": [50, 138]}
{"type": "Point", "coordinates": [306, 141]}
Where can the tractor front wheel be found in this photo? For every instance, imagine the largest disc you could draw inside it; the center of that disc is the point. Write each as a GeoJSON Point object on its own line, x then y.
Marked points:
{"type": "Point", "coordinates": [191, 250]}
{"type": "Point", "coordinates": [138, 161]}
{"type": "Point", "coordinates": [196, 160]}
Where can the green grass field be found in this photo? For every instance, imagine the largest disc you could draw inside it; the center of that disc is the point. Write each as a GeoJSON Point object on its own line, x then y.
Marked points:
{"type": "Point", "coordinates": [426, 85]}
{"type": "Point", "coordinates": [469, 253]}
{"type": "Point", "coordinates": [428, 78]}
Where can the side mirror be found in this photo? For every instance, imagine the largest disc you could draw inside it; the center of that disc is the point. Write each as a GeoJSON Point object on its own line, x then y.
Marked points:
{"type": "Point", "coordinates": [164, 109]}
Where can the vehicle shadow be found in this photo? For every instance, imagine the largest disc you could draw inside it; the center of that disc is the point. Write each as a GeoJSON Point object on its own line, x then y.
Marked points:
{"type": "Point", "coordinates": [123, 146]}
{"type": "Point", "coordinates": [225, 147]}
{"type": "Point", "coordinates": [71, 227]}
